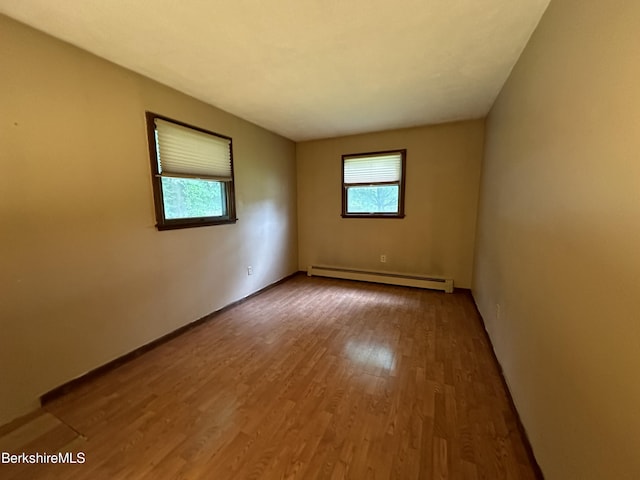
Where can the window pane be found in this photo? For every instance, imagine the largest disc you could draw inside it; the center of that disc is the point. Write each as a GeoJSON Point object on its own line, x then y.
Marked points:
{"type": "Point", "coordinates": [191, 198]}
{"type": "Point", "coordinates": [376, 199]}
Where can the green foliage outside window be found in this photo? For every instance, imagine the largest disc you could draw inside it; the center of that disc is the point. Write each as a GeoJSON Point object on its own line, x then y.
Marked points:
{"type": "Point", "coordinates": [192, 198]}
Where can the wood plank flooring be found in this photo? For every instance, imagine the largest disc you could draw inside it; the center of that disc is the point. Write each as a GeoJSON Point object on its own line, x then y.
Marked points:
{"type": "Point", "coordinates": [314, 378]}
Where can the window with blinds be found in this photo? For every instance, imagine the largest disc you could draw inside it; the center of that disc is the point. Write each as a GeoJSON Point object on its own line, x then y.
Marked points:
{"type": "Point", "coordinates": [192, 172]}
{"type": "Point", "coordinates": [373, 184]}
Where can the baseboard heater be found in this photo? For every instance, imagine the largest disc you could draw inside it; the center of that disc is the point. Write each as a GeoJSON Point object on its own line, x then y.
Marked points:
{"type": "Point", "coordinates": [390, 278]}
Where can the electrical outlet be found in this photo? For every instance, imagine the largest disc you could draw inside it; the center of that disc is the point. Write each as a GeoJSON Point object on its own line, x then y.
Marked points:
{"type": "Point", "coordinates": [249, 270]}
{"type": "Point", "coordinates": [383, 258]}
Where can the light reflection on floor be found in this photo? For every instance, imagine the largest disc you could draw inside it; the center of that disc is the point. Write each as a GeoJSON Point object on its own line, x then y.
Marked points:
{"type": "Point", "coordinates": [370, 354]}
{"type": "Point", "coordinates": [358, 296]}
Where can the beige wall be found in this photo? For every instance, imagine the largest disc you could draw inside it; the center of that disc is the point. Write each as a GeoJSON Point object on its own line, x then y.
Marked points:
{"type": "Point", "coordinates": [558, 242]}
{"type": "Point", "coordinates": [437, 235]}
{"type": "Point", "coordinates": [84, 275]}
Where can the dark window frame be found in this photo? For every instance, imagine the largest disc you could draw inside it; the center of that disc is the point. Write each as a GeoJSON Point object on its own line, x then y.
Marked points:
{"type": "Point", "coordinates": [175, 223]}
{"type": "Point", "coordinates": [401, 185]}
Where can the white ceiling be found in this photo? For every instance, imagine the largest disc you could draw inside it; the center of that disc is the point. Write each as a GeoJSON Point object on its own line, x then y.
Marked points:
{"type": "Point", "coordinates": [308, 69]}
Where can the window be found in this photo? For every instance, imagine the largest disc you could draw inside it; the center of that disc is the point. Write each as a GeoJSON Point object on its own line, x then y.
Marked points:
{"type": "Point", "coordinates": [192, 172]}
{"type": "Point", "coordinates": [373, 184]}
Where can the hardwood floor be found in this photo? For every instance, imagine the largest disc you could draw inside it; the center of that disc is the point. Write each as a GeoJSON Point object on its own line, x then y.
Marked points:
{"type": "Point", "coordinates": [314, 378]}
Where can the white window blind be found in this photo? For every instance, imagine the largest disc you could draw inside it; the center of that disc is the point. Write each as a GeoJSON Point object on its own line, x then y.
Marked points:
{"type": "Point", "coordinates": [373, 169]}
{"type": "Point", "coordinates": [184, 151]}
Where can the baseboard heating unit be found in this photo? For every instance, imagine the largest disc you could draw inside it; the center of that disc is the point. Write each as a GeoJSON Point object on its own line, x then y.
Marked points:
{"type": "Point", "coordinates": [390, 278]}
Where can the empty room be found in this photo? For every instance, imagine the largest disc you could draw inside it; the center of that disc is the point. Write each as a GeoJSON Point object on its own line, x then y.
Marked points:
{"type": "Point", "coordinates": [307, 239]}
